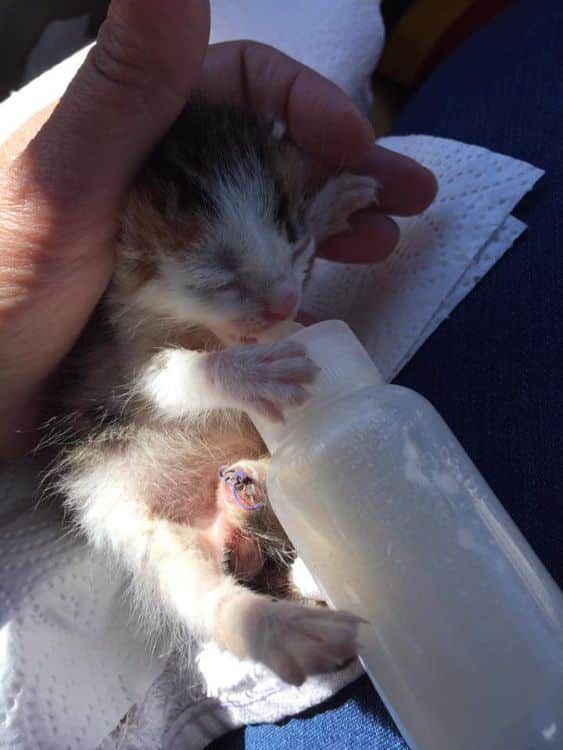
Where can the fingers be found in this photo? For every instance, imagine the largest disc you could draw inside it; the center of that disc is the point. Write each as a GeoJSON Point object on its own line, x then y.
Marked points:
{"type": "Point", "coordinates": [372, 238]}
{"type": "Point", "coordinates": [319, 116]}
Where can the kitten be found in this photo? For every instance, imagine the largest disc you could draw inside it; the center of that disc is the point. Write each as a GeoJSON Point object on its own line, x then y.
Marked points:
{"type": "Point", "coordinates": [216, 242]}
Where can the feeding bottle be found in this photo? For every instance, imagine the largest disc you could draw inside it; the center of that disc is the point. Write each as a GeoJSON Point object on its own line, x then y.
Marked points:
{"type": "Point", "coordinates": [464, 640]}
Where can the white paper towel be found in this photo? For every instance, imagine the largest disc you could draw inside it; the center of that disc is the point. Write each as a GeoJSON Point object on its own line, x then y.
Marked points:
{"type": "Point", "coordinates": [71, 664]}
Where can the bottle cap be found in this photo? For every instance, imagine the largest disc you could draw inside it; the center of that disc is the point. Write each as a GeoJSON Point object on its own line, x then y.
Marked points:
{"type": "Point", "coordinates": [344, 364]}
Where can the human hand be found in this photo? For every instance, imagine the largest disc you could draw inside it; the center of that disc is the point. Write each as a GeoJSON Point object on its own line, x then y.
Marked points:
{"type": "Point", "coordinates": [64, 175]}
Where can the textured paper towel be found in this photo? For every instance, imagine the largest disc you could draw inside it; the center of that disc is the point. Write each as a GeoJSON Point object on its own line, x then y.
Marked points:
{"type": "Point", "coordinates": [70, 664]}
{"type": "Point", "coordinates": [187, 713]}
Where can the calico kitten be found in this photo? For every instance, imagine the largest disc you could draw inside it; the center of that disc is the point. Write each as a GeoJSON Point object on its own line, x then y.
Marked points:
{"type": "Point", "coordinates": [159, 465]}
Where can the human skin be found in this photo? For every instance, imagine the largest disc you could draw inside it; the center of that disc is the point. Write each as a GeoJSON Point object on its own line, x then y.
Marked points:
{"type": "Point", "coordinates": [64, 175]}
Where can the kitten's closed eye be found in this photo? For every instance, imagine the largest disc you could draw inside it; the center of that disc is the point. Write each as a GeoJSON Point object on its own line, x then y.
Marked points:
{"type": "Point", "coordinates": [228, 286]}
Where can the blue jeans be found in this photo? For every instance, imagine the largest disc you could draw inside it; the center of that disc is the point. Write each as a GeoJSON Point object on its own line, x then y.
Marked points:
{"type": "Point", "coordinates": [494, 368]}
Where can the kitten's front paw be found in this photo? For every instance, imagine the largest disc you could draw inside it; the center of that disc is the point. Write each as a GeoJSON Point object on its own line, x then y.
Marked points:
{"type": "Point", "coordinates": [294, 641]}
{"type": "Point", "coordinates": [264, 379]}
{"type": "Point", "coordinates": [338, 200]}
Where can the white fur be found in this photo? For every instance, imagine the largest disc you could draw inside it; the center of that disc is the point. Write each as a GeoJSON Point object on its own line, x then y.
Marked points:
{"type": "Point", "coordinates": [246, 221]}
{"type": "Point", "coordinates": [168, 565]}
{"type": "Point", "coordinates": [176, 383]}
{"type": "Point", "coordinates": [263, 379]}
{"type": "Point", "coordinates": [180, 588]}
{"type": "Point", "coordinates": [164, 297]}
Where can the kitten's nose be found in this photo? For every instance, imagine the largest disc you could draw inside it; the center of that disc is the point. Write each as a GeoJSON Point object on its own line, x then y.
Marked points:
{"type": "Point", "coordinates": [280, 307]}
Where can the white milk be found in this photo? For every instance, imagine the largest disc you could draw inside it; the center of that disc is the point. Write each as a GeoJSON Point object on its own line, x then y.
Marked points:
{"type": "Point", "coordinates": [465, 641]}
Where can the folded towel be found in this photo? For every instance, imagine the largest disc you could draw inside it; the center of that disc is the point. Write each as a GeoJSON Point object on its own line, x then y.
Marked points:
{"type": "Point", "coordinates": [73, 671]}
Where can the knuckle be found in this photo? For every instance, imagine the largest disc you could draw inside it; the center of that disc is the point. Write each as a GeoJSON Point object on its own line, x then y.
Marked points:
{"type": "Point", "coordinates": [119, 59]}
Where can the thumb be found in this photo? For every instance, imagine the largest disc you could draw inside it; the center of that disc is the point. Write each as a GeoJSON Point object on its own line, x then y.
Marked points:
{"type": "Point", "coordinates": [60, 197]}
{"type": "Point", "coordinates": [131, 87]}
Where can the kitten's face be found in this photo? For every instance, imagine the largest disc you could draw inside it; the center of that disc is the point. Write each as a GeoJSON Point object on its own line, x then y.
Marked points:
{"type": "Point", "coordinates": [232, 253]}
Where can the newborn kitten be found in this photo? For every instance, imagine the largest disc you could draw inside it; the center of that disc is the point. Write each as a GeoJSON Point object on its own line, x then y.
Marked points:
{"type": "Point", "coordinates": [216, 242]}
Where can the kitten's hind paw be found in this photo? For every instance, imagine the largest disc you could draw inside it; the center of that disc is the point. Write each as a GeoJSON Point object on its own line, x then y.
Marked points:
{"type": "Point", "coordinates": [294, 641]}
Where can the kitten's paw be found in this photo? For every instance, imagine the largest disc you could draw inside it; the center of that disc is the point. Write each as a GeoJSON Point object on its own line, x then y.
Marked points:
{"type": "Point", "coordinates": [338, 200]}
{"type": "Point", "coordinates": [298, 641]}
{"type": "Point", "coordinates": [264, 379]}
{"type": "Point", "coordinates": [294, 641]}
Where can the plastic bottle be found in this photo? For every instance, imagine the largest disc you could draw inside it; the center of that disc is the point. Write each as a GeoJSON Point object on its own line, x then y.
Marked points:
{"type": "Point", "coordinates": [465, 634]}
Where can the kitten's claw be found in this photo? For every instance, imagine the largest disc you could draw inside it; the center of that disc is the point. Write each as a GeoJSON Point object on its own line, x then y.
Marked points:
{"type": "Point", "coordinates": [294, 641]}
{"type": "Point", "coordinates": [264, 379]}
{"type": "Point", "coordinates": [341, 197]}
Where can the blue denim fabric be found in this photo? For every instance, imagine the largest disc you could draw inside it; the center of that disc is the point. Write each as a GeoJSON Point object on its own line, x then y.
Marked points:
{"type": "Point", "coordinates": [494, 369]}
